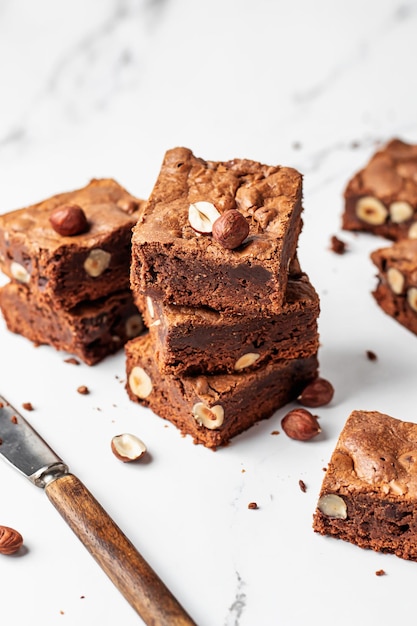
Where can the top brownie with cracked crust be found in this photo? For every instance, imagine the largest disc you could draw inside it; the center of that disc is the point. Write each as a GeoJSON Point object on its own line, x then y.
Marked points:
{"type": "Point", "coordinates": [68, 268]}
{"type": "Point", "coordinates": [172, 260]}
{"type": "Point", "coordinates": [382, 197]}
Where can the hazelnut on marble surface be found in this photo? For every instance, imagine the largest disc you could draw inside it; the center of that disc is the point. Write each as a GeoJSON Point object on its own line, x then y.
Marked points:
{"type": "Point", "coordinates": [371, 211]}
{"type": "Point", "coordinates": [317, 393]}
{"type": "Point", "coordinates": [230, 229]}
{"type": "Point", "coordinates": [10, 540]}
{"type": "Point", "coordinates": [69, 220]}
{"type": "Point", "coordinates": [202, 216]}
{"type": "Point", "coordinates": [300, 424]}
{"type": "Point", "coordinates": [127, 447]}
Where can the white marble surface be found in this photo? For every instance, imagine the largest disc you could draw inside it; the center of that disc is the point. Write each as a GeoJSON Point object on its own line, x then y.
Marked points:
{"type": "Point", "coordinates": [102, 88]}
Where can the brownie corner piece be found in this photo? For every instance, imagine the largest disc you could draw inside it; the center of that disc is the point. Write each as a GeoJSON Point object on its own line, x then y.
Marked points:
{"type": "Point", "coordinates": [381, 198]}
{"type": "Point", "coordinates": [173, 261]}
{"type": "Point", "coordinates": [369, 492]}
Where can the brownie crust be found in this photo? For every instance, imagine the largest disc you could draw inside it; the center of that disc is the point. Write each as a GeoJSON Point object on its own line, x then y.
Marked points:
{"type": "Point", "coordinates": [174, 398]}
{"type": "Point", "coordinates": [382, 197]}
{"type": "Point", "coordinates": [51, 264]}
{"type": "Point", "coordinates": [91, 330]}
{"type": "Point", "coordinates": [373, 473]}
{"type": "Point", "coordinates": [170, 261]}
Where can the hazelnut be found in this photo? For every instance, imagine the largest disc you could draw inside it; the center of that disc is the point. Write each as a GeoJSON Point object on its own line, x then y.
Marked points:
{"type": "Point", "coordinates": [412, 231]}
{"type": "Point", "coordinates": [68, 220]}
{"type": "Point", "coordinates": [230, 229]}
{"type": "Point", "coordinates": [133, 326]}
{"type": "Point", "coordinates": [202, 215]}
{"type": "Point", "coordinates": [97, 261]}
{"type": "Point", "coordinates": [332, 506]}
{"type": "Point", "coordinates": [412, 298]}
{"type": "Point", "coordinates": [246, 360]}
{"type": "Point", "coordinates": [400, 211]}
{"type": "Point", "coordinates": [10, 540]}
{"type": "Point", "coordinates": [210, 417]}
{"type": "Point", "coordinates": [127, 447]}
{"type": "Point", "coordinates": [395, 280]}
{"type": "Point", "coordinates": [371, 211]}
{"type": "Point", "coordinates": [128, 205]}
{"type": "Point", "coordinates": [140, 382]}
{"type": "Point", "coordinates": [317, 393]}
{"type": "Point", "coordinates": [300, 424]}
{"type": "Point", "coordinates": [19, 272]}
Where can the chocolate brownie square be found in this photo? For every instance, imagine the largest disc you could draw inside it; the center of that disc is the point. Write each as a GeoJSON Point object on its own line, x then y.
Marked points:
{"type": "Point", "coordinates": [173, 261]}
{"type": "Point", "coordinates": [68, 269]}
{"type": "Point", "coordinates": [396, 291]}
{"type": "Point", "coordinates": [382, 197]}
{"type": "Point", "coordinates": [190, 341]}
{"type": "Point", "coordinates": [91, 330]}
{"type": "Point", "coordinates": [369, 492]}
{"type": "Point", "coordinates": [213, 408]}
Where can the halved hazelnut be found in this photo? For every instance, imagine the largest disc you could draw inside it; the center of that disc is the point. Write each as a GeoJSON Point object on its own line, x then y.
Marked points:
{"type": "Point", "coordinates": [133, 326]}
{"type": "Point", "coordinates": [202, 216]}
{"type": "Point", "coordinates": [400, 211]}
{"type": "Point", "coordinates": [140, 382]}
{"type": "Point", "coordinates": [19, 272]}
{"type": "Point", "coordinates": [332, 506]}
{"type": "Point", "coordinates": [97, 261]}
{"type": "Point", "coordinates": [246, 360]}
{"type": "Point", "coordinates": [395, 280]}
{"type": "Point", "coordinates": [412, 231]}
{"type": "Point", "coordinates": [210, 417]}
{"type": "Point", "coordinates": [127, 447]}
{"type": "Point", "coordinates": [412, 298]}
{"type": "Point", "coordinates": [371, 211]}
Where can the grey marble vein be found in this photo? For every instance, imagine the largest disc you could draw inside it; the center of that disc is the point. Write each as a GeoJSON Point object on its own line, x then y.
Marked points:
{"type": "Point", "coordinates": [238, 605]}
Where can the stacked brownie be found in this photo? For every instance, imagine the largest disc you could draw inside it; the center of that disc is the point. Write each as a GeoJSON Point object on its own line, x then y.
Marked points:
{"type": "Point", "coordinates": [232, 319]}
{"type": "Point", "coordinates": [68, 261]}
{"type": "Point", "coordinates": [381, 199]}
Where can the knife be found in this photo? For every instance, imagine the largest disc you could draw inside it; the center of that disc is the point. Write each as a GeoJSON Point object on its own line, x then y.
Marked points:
{"type": "Point", "coordinates": [25, 449]}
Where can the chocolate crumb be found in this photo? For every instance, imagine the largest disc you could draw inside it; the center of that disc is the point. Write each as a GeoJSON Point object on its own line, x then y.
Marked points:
{"type": "Point", "coordinates": [83, 390]}
{"type": "Point", "coordinates": [72, 361]}
{"type": "Point", "coordinates": [380, 572]}
{"type": "Point", "coordinates": [1, 405]}
{"type": "Point", "coordinates": [337, 245]}
{"type": "Point", "coordinates": [275, 432]}
{"type": "Point", "coordinates": [252, 505]}
{"type": "Point", "coordinates": [371, 355]}
{"type": "Point", "coordinates": [13, 419]}
{"type": "Point", "coordinates": [303, 486]}
{"type": "Point", "coordinates": [28, 406]}
{"type": "Point", "coordinates": [1, 441]}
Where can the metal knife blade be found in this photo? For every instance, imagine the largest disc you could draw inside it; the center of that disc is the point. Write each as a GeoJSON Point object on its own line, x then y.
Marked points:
{"type": "Point", "coordinates": [22, 447]}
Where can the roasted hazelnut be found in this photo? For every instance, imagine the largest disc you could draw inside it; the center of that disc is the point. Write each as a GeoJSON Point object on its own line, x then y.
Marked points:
{"type": "Point", "coordinates": [300, 424]}
{"type": "Point", "coordinates": [127, 447]}
{"type": "Point", "coordinates": [10, 540]}
{"type": "Point", "coordinates": [230, 229]}
{"type": "Point", "coordinates": [69, 220]}
{"type": "Point", "coordinates": [317, 393]}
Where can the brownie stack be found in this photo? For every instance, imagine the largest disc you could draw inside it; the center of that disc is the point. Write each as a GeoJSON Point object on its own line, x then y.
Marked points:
{"type": "Point", "coordinates": [68, 261]}
{"type": "Point", "coordinates": [232, 319]}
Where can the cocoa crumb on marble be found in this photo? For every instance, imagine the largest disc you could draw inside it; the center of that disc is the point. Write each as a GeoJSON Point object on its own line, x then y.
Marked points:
{"type": "Point", "coordinates": [302, 485]}
{"type": "Point", "coordinates": [275, 432]}
{"type": "Point", "coordinates": [83, 390]}
{"type": "Point", "coordinates": [72, 361]}
{"type": "Point", "coordinates": [337, 245]}
{"type": "Point", "coordinates": [13, 419]}
{"type": "Point", "coordinates": [252, 505]}
{"type": "Point", "coordinates": [380, 572]}
{"type": "Point", "coordinates": [28, 406]}
{"type": "Point", "coordinates": [371, 355]}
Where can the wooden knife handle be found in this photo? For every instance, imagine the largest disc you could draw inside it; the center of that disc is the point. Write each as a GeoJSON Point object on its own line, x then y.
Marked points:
{"type": "Point", "coordinates": [115, 554]}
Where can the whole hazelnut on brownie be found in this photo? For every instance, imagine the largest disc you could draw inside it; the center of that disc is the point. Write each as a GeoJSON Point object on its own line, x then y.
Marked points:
{"type": "Point", "coordinates": [230, 229]}
{"type": "Point", "coordinates": [69, 220]}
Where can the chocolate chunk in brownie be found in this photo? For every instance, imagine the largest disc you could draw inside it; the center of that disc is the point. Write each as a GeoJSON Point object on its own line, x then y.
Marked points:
{"type": "Point", "coordinates": [180, 265]}
{"type": "Point", "coordinates": [68, 269]}
{"type": "Point", "coordinates": [191, 341]}
{"type": "Point", "coordinates": [213, 408]}
{"type": "Point", "coordinates": [91, 330]}
{"type": "Point", "coordinates": [396, 291]}
{"type": "Point", "coordinates": [382, 197]}
{"type": "Point", "coordinates": [369, 492]}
